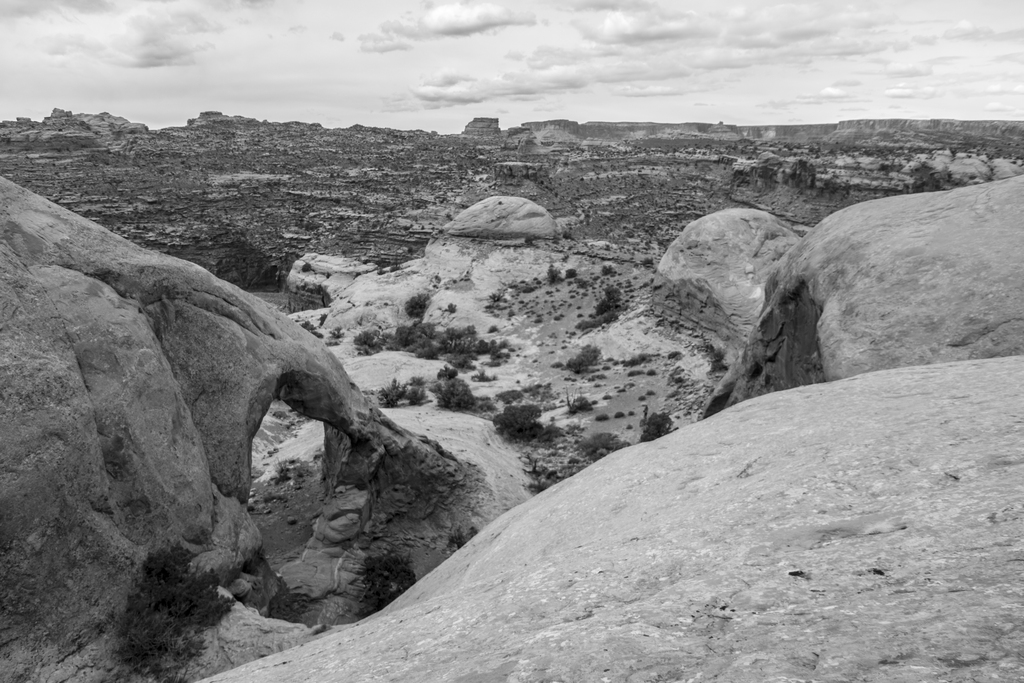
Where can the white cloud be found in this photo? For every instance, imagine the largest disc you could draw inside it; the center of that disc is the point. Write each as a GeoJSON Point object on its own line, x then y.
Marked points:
{"type": "Point", "coordinates": [905, 70]}
{"type": "Point", "coordinates": [444, 21]}
{"type": "Point", "coordinates": [904, 91]}
{"type": "Point", "coordinates": [164, 39]}
{"type": "Point", "coordinates": [652, 25]}
{"type": "Point", "coordinates": [337, 36]}
{"type": "Point", "coordinates": [966, 30]}
{"type": "Point", "coordinates": [28, 8]}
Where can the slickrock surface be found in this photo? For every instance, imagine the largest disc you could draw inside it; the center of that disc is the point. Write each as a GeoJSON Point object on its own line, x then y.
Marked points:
{"type": "Point", "coordinates": [132, 385]}
{"type": "Point", "coordinates": [712, 276]}
{"type": "Point", "coordinates": [900, 281]}
{"type": "Point", "coordinates": [504, 218]}
{"type": "Point", "coordinates": [879, 542]}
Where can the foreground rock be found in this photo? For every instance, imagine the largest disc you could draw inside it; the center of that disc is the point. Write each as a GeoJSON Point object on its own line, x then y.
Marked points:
{"type": "Point", "coordinates": [504, 218]}
{"type": "Point", "coordinates": [894, 282]}
{"type": "Point", "coordinates": [712, 276]}
{"type": "Point", "coordinates": [879, 542]}
{"type": "Point", "coordinates": [133, 384]}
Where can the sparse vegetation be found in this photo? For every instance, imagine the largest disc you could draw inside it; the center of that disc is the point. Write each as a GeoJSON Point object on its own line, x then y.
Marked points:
{"type": "Point", "coordinates": [519, 422]}
{"type": "Point", "coordinates": [598, 445]}
{"type": "Point", "coordinates": [588, 357]}
{"type": "Point", "coordinates": [453, 394]}
{"type": "Point", "coordinates": [161, 628]}
{"type": "Point", "coordinates": [392, 394]}
{"type": "Point", "coordinates": [386, 577]}
{"type": "Point", "coordinates": [657, 426]}
{"type": "Point", "coordinates": [416, 306]}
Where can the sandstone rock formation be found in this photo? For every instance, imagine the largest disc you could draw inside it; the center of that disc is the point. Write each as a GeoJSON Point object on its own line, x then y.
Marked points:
{"type": "Point", "coordinates": [504, 218]}
{"type": "Point", "coordinates": [482, 127]}
{"type": "Point", "coordinates": [63, 131]}
{"type": "Point", "coordinates": [770, 170]}
{"type": "Point", "coordinates": [517, 171]}
{"type": "Point", "coordinates": [316, 279]}
{"type": "Point", "coordinates": [877, 542]}
{"type": "Point", "coordinates": [893, 282]}
{"type": "Point", "coordinates": [132, 385]}
{"type": "Point", "coordinates": [712, 276]}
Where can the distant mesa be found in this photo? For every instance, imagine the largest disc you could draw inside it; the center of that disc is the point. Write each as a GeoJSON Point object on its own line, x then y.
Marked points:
{"type": "Point", "coordinates": [504, 218]}
{"type": "Point", "coordinates": [481, 127]}
{"type": "Point", "coordinates": [712, 276]}
{"type": "Point", "coordinates": [64, 131]}
{"type": "Point", "coordinates": [213, 117]}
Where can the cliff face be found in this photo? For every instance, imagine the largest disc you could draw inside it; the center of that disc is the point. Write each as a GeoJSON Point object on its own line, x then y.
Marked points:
{"type": "Point", "coordinates": [857, 130]}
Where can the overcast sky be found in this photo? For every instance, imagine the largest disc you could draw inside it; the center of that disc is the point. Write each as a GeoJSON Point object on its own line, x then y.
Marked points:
{"type": "Point", "coordinates": [435, 65]}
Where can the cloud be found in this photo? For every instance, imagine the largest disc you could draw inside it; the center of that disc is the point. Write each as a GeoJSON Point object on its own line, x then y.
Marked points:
{"type": "Point", "coordinates": [444, 21]}
{"type": "Point", "coordinates": [904, 70]}
{"type": "Point", "coordinates": [653, 90]}
{"type": "Point", "coordinates": [646, 26]}
{"type": "Point", "coordinates": [338, 37]}
{"type": "Point", "coordinates": [1013, 57]}
{"type": "Point", "coordinates": [904, 91]}
{"type": "Point", "coordinates": [168, 39]}
{"type": "Point", "coordinates": [1001, 89]}
{"type": "Point", "coordinates": [449, 88]}
{"type": "Point", "coordinates": [999, 107]}
{"type": "Point", "coordinates": [966, 30]}
{"type": "Point", "coordinates": [848, 82]}
{"type": "Point", "coordinates": [297, 30]}
{"type": "Point", "coordinates": [28, 8]}
{"type": "Point", "coordinates": [608, 5]}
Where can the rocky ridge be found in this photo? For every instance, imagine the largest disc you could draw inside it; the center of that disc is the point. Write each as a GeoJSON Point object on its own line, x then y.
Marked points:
{"type": "Point", "coordinates": [113, 359]}
{"type": "Point", "coordinates": [879, 542]}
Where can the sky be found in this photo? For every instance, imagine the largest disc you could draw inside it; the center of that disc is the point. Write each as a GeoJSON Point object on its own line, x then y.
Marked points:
{"type": "Point", "coordinates": [412, 64]}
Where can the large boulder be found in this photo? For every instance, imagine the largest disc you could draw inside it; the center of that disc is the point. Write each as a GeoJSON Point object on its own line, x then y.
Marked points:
{"type": "Point", "coordinates": [899, 281]}
{"type": "Point", "coordinates": [504, 218]}
{"type": "Point", "coordinates": [879, 541]}
{"type": "Point", "coordinates": [712, 276]}
{"type": "Point", "coordinates": [131, 386]}
{"type": "Point", "coordinates": [315, 280]}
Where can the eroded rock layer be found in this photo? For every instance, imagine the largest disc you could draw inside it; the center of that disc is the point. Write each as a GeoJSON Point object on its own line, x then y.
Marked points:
{"type": "Point", "coordinates": [867, 529]}
{"type": "Point", "coordinates": [131, 385]}
{"type": "Point", "coordinates": [893, 282]}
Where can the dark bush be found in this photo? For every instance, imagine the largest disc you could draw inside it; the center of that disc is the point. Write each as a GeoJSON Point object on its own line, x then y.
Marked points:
{"type": "Point", "coordinates": [638, 359]}
{"type": "Point", "coordinates": [578, 404]}
{"type": "Point", "coordinates": [461, 536]}
{"type": "Point", "coordinates": [554, 275]}
{"type": "Point", "coordinates": [597, 321]}
{"type": "Point", "coordinates": [368, 342]}
{"type": "Point", "coordinates": [519, 422]}
{"type": "Point", "coordinates": [658, 425]}
{"type": "Point", "coordinates": [452, 308]}
{"type": "Point", "coordinates": [607, 270]}
{"type": "Point", "coordinates": [387, 576]}
{"type": "Point", "coordinates": [416, 306]}
{"type": "Point", "coordinates": [454, 394]}
{"type": "Point", "coordinates": [162, 625]}
{"type": "Point", "coordinates": [570, 273]}
{"type": "Point", "coordinates": [601, 417]}
{"type": "Point", "coordinates": [492, 329]}
{"type": "Point", "coordinates": [417, 381]}
{"type": "Point", "coordinates": [588, 357]}
{"type": "Point", "coordinates": [447, 372]}
{"type": "Point", "coordinates": [481, 376]}
{"type": "Point", "coordinates": [392, 394]}
{"type": "Point", "coordinates": [510, 396]}
{"type": "Point", "coordinates": [596, 446]}
{"type": "Point", "coordinates": [416, 395]}
{"type": "Point", "coordinates": [610, 302]}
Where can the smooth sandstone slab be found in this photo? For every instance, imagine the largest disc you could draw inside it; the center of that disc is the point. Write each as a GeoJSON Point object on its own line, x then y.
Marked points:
{"type": "Point", "coordinates": [504, 218]}
{"type": "Point", "coordinates": [863, 530]}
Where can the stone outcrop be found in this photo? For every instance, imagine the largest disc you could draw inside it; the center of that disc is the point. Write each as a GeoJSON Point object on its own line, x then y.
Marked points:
{"type": "Point", "coordinates": [504, 218]}
{"type": "Point", "coordinates": [63, 131]}
{"type": "Point", "coordinates": [515, 172]}
{"type": "Point", "coordinates": [877, 542]}
{"type": "Point", "coordinates": [712, 276]}
{"type": "Point", "coordinates": [316, 279]}
{"type": "Point", "coordinates": [893, 282]}
{"type": "Point", "coordinates": [482, 127]}
{"type": "Point", "coordinates": [132, 385]}
{"type": "Point", "coordinates": [769, 171]}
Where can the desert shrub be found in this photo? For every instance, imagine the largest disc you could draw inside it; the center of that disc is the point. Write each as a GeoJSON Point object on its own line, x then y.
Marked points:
{"type": "Point", "coordinates": [485, 404]}
{"type": "Point", "coordinates": [492, 329]}
{"type": "Point", "coordinates": [597, 321]}
{"type": "Point", "coordinates": [452, 308]}
{"type": "Point", "coordinates": [601, 417]}
{"type": "Point", "coordinates": [519, 422]}
{"type": "Point", "coordinates": [496, 297]}
{"type": "Point", "coordinates": [416, 306]}
{"type": "Point", "coordinates": [416, 395]}
{"type": "Point", "coordinates": [638, 359]}
{"type": "Point", "coordinates": [368, 342]}
{"type": "Point", "coordinates": [611, 301]}
{"type": "Point", "coordinates": [619, 413]}
{"type": "Point", "coordinates": [673, 355]}
{"type": "Point", "coordinates": [607, 270]}
{"type": "Point", "coordinates": [510, 396]}
{"type": "Point", "coordinates": [554, 275]}
{"type": "Point", "coordinates": [447, 372]}
{"type": "Point", "coordinates": [289, 606]}
{"type": "Point", "coordinates": [598, 445]}
{"type": "Point", "coordinates": [658, 425]}
{"type": "Point", "coordinates": [578, 403]}
{"type": "Point", "coordinates": [460, 536]}
{"type": "Point", "coordinates": [588, 357]}
{"type": "Point", "coordinates": [392, 394]}
{"type": "Point", "coordinates": [549, 434]}
{"type": "Point", "coordinates": [162, 625]}
{"type": "Point", "coordinates": [417, 381]}
{"type": "Point", "coordinates": [386, 577]}
{"type": "Point", "coordinates": [648, 261]}
{"type": "Point", "coordinates": [454, 394]}
{"type": "Point", "coordinates": [570, 273]}
{"type": "Point", "coordinates": [481, 376]}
